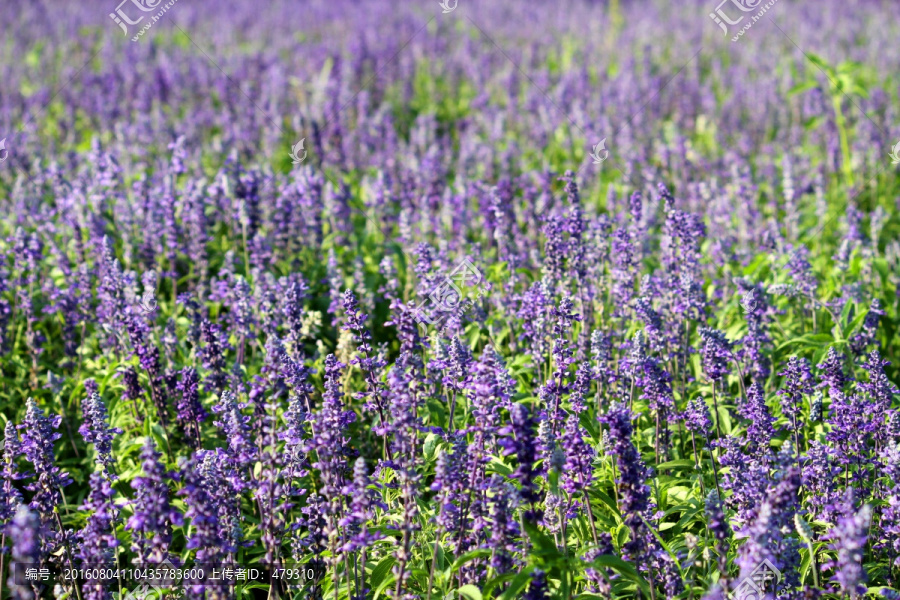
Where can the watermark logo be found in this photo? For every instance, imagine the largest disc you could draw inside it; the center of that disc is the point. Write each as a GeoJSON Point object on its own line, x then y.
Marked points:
{"type": "Point", "coordinates": [720, 18]}
{"type": "Point", "coordinates": [895, 153]}
{"type": "Point", "coordinates": [146, 591]}
{"type": "Point", "coordinates": [723, 20]}
{"type": "Point", "coordinates": [295, 152]}
{"type": "Point", "coordinates": [448, 296]}
{"type": "Point", "coordinates": [448, 5]}
{"type": "Point", "coordinates": [599, 152]}
{"type": "Point", "coordinates": [4, 153]}
{"type": "Point", "coordinates": [764, 578]}
{"type": "Point", "coordinates": [123, 20]}
{"type": "Point", "coordinates": [148, 303]}
{"type": "Point", "coordinates": [159, 586]}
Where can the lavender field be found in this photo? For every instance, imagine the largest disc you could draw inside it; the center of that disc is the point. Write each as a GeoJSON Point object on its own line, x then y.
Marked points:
{"type": "Point", "coordinates": [459, 299]}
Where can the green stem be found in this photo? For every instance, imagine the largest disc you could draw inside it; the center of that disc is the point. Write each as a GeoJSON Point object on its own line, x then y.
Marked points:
{"type": "Point", "coordinates": [812, 560]}
{"type": "Point", "coordinates": [433, 561]}
{"type": "Point", "coordinates": [846, 167]}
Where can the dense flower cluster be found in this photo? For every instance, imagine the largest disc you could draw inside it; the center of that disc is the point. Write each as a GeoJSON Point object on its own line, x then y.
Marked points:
{"type": "Point", "coordinates": [355, 290]}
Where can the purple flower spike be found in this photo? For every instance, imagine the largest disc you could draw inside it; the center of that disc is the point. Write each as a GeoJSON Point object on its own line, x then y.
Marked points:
{"type": "Point", "coordinates": [537, 589]}
{"type": "Point", "coordinates": [96, 430]}
{"type": "Point", "coordinates": [756, 411]}
{"type": "Point", "coordinates": [234, 424]}
{"type": "Point", "coordinates": [577, 473]}
{"type": "Point", "coordinates": [153, 517]}
{"type": "Point", "coordinates": [11, 496]}
{"type": "Point", "coordinates": [24, 536]}
{"type": "Point", "coordinates": [38, 437]}
{"type": "Point", "coordinates": [189, 409]}
{"type": "Point", "coordinates": [798, 381]}
{"type": "Point", "coordinates": [519, 440]}
{"type": "Point", "coordinates": [97, 539]}
{"type": "Point", "coordinates": [848, 540]}
{"type": "Point", "coordinates": [696, 417]}
{"type": "Point", "coordinates": [716, 353]}
{"type": "Point", "coordinates": [832, 377]}
{"type": "Point", "coordinates": [634, 493]}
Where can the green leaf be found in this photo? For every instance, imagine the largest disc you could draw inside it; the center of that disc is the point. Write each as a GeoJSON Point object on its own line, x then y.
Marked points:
{"type": "Point", "coordinates": [627, 570]}
{"type": "Point", "coordinates": [819, 62]}
{"type": "Point", "coordinates": [470, 591]}
{"type": "Point", "coordinates": [159, 436]}
{"type": "Point", "coordinates": [380, 570]}
{"type": "Point", "coordinates": [515, 586]}
{"type": "Point", "coordinates": [496, 581]}
{"type": "Point", "coordinates": [498, 466]}
{"type": "Point", "coordinates": [682, 463]}
{"type": "Point", "coordinates": [430, 445]}
{"type": "Point", "coordinates": [621, 535]}
{"type": "Point", "coordinates": [804, 563]}
{"type": "Point", "coordinates": [724, 419]}
{"type": "Point", "coordinates": [439, 557]}
{"type": "Point", "coordinates": [846, 314]}
{"type": "Point", "coordinates": [665, 546]}
{"type": "Point", "coordinates": [814, 122]}
{"type": "Point", "coordinates": [609, 502]}
{"type": "Point", "coordinates": [543, 544]}
{"type": "Point", "coordinates": [685, 519]}
{"type": "Point", "coordinates": [810, 340]}
{"type": "Point", "coordinates": [802, 87]}
{"type": "Point", "coordinates": [856, 324]}
{"type": "Point", "coordinates": [469, 556]}
{"type": "Point", "coordinates": [387, 583]}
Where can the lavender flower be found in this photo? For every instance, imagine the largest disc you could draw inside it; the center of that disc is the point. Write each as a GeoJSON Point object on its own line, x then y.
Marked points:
{"type": "Point", "coordinates": [368, 364]}
{"type": "Point", "coordinates": [296, 415]}
{"type": "Point", "coordinates": [579, 455]}
{"type": "Point", "coordinates": [537, 588]}
{"type": "Point", "coordinates": [716, 353]}
{"type": "Point", "coordinates": [203, 514]}
{"type": "Point", "coordinates": [865, 338]}
{"type": "Point", "coordinates": [718, 527]}
{"type": "Point", "coordinates": [798, 381]}
{"type": "Point", "coordinates": [360, 509]}
{"type": "Point", "coordinates": [766, 534]}
{"type": "Point", "coordinates": [153, 516]}
{"type": "Point", "coordinates": [24, 534]}
{"type": "Point", "coordinates": [696, 417]}
{"type": "Point", "coordinates": [97, 539]}
{"type": "Point", "coordinates": [879, 388]}
{"type": "Point", "coordinates": [330, 444]}
{"type": "Point", "coordinates": [96, 430]}
{"type": "Point", "coordinates": [212, 354]}
{"type": "Point", "coordinates": [519, 440]}
{"type": "Point", "coordinates": [233, 423]}
{"type": "Point", "coordinates": [224, 482]}
{"type": "Point", "coordinates": [38, 437]}
{"type": "Point", "coordinates": [190, 412]}
{"type": "Point", "coordinates": [753, 301]}
{"type": "Point", "coordinates": [848, 540]}
{"type": "Point", "coordinates": [133, 391]}
{"type": "Point", "coordinates": [634, 493]}
{"type": "Point", "coordinates": [832, 376]}
{"type": "Point", "coordinates": [449, 482]}
{"type": "Point", "coordinates": [11, 496]}
{"type": "Point", "coordinates": [504, 529]}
